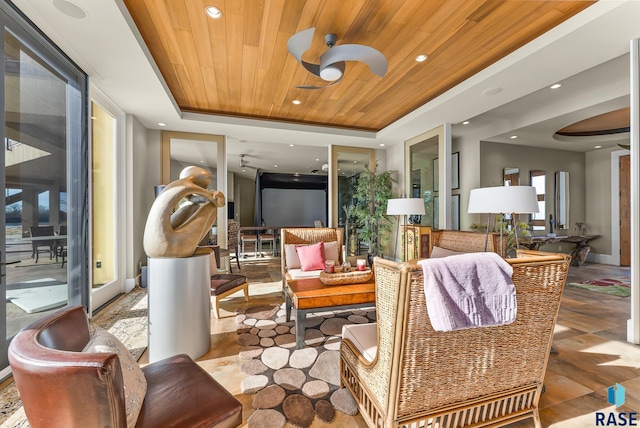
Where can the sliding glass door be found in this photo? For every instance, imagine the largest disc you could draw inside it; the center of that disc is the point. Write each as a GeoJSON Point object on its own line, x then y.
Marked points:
{"type": "Point", "coordinates": [43, 231]}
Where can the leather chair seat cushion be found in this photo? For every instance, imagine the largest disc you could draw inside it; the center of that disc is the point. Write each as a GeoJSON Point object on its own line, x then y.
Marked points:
{"type": "Point", "coordinates": [192, 398]}
{"type": "Point", "coordinates": [224, 282]}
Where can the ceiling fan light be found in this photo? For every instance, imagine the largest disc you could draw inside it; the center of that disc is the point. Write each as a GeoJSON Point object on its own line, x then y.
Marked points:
{"type": "Point", "coordinates": [330, 73]}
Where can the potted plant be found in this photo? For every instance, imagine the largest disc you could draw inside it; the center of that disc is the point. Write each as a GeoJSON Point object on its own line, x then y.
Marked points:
{"type": "Point", "coordinates": [373, 190]}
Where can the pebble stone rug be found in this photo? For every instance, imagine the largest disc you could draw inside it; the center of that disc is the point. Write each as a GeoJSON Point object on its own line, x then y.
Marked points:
{"type": "Point", "coordinates": [290, 385]}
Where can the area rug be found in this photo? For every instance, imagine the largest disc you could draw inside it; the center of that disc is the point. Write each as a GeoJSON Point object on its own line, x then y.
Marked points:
{"type": "Point", "coordinates": [125, 318]}
{"type": "Point", "coordinates": [38, 295]}
{"type": "Point", "coordinates": [288, 385]}
{"type": "Point", "coordinates": [618, 286]}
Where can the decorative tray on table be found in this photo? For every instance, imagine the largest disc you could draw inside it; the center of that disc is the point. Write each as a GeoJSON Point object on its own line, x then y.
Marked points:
{"type": "Point", "coordinates": [344, 278]}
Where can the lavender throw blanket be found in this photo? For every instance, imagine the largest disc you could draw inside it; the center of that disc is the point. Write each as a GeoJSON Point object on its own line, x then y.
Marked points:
{"type": "Point", "coordinates": [469, 290]}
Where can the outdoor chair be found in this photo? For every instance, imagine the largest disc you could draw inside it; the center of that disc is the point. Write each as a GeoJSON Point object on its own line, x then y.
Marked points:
{"type": "Point", "coordinates": [48, 245]}
{"type": "Point", "coordinates": [61, 246]}
{"type": "Point", "coordinates": [63, 385]}
{"type": "Point", "coordinates": [402, 372]}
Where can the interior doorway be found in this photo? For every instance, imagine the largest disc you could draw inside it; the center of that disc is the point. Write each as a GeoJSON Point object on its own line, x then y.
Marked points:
{"type": "Point", "coordinates": [625, 210]}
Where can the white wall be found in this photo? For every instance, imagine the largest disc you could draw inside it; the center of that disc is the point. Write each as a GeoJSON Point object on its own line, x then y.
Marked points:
{"type": "Point", "coordinates": [469, 176]}
{"type": "Point", "coordinates": [494, 157]}
{"type": "Point", "coordinates": [143, 172]}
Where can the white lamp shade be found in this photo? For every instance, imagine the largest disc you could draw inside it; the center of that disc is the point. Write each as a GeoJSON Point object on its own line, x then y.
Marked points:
{"type": "Point", "coordinates": [405, 206]}
{"type": "Point", "coordinates": [503, 199]}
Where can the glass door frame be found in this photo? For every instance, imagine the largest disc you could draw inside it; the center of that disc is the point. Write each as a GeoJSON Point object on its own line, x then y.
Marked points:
{"type": "Point", "coordinates": [443, 134]}
{"type": "Point", "coordinates": [333, 176]}
{"type": "Point", "coordinates": [102, 295]}
{"type": "Point", "coordinates": [14, 21]}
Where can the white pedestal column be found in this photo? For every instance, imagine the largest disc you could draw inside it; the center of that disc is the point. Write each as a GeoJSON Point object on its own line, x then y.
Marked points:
{"type": "Point", "coordinates": [179, 306]}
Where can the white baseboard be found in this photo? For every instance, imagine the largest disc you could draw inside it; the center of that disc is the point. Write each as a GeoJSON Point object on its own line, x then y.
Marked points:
{"type": "Point", "coordinates": [130, 284]}
{"type": "Point", "coordinates": [5, 373]}
{"type": "Point", "coordinates": [606, 259]}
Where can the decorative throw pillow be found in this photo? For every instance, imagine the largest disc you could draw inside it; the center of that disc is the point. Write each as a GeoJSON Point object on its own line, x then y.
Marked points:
{"type": "Point", "coordinates": [437, 252]}
{"type": "Point", "coordinates": [135, 384]}
{"type": "Point", "coordinates": [311, 256]}
{"type": "Point", "coordinates": [331, 251]}
{"type": "Point", "coordinates": [292, 261]}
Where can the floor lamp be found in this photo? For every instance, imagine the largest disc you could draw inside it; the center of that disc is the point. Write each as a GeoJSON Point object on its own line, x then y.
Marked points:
{"type": "Point", "coordinates": [405, 207]}
{"type": "Point", "coordinates": [503, 200]}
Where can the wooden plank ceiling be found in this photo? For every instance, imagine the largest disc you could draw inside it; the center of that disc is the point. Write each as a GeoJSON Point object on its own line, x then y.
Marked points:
{"type": "Point", "coordinates": [239, 65]}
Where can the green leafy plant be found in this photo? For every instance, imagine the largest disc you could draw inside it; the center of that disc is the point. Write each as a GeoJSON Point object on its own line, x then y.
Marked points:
{"type": "Point", "coordinates": [373, 190]}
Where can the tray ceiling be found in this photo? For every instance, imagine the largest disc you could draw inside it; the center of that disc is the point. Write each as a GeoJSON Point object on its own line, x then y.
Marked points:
{"type": "Point", "coordinates": [239, 65]}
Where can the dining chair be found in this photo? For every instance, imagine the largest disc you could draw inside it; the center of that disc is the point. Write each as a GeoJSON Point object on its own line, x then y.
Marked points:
{"type": "Point", "coordinates": [249, 238]}
{"type": "Point", "coordinates": [267, 236]}
{"type": "Point", "coordinates": [61, 246]}
{"type": "Point", "coordinates": [233, 231]}
{"type": "Point", "coordinates": [49, 245]}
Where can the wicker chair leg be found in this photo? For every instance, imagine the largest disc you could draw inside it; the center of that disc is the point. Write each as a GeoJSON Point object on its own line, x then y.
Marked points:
{"type": "Point", "coordinates": [536, 418]}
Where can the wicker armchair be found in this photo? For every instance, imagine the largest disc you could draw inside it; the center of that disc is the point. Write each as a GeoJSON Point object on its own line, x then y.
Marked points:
{"type": "Point", "coordinates": [308, 235]}
{"type": "Point", "coordinates": [463, 378]}
{"type": "Point", "coordinates": [467, 242]}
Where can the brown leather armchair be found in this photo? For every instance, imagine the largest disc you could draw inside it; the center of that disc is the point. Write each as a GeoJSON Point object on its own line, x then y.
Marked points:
{"type": "Point", "coordinates": [60, 386]}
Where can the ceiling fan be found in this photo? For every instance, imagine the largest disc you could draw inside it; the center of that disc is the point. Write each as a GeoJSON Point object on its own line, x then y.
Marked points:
{"type": "Point", "coordinates": [332, 62]}
{"type": "Point", "coordinates": [245, 163]}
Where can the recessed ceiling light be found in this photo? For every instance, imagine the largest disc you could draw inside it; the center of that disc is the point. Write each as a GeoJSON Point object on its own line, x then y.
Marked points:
{"type": "Point", "coordinates": [317, 160]}
{"type": "Point", "coordinates": [162, 124]}
{"type": "Point", "coordinates": [421, 58]}
{"type": "Point", "coordinates": [296, 102]}
{"type": "Point", "coordinates": [597, 147]}
{"type": "Point", "coordinates": [275, 166]}
{"type": "Point", "coordinates": [466, 122]}
{"type": "Point", "coordinates": [244, 170]}
{"type": "Point", "coordinates": [201, 161]}
{"type": "Point", "coordinates": [556, 86]}
{"type": "Point", "coordinates": [213, 12]}
{"type": "Point", "coordinates": [291, 145]}
{"type": "Point", "coordinates": [513, 137]}
{"type": "Point", "coordinates": [492, 91]}
{"type": "Point", "coordinates": [381, 144]}
{"type": "Point", "coordinates": [70, 9]}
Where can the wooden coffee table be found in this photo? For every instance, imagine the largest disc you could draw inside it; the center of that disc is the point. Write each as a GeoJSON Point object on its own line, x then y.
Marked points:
{"type": "Point", "coordinates": [311, 295]}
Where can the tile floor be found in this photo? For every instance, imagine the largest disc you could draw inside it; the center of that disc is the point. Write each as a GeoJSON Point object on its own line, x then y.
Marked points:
{"type": "Point", "coordinates": [591, 352]}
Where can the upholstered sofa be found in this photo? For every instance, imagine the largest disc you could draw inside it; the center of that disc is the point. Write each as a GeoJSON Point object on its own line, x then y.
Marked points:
{"type": "Point", "coordinates": [402, 372]}
{"type": "Point", "coordinates": [63, 385]}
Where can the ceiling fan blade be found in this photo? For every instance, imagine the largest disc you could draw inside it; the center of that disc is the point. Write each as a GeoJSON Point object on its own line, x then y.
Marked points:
{"type": "Point", "coordinates": [298, 44]}
{"type": "Point", "coordinates": [372, 57]}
